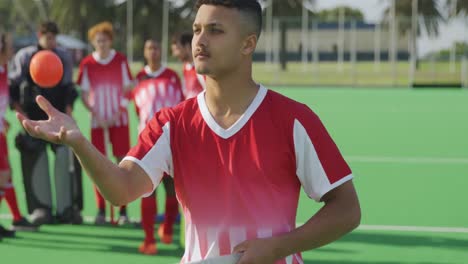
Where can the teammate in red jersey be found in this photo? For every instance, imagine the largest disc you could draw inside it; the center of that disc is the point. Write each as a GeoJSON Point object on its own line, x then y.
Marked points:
{"type": "Point", "coordinates": [158, 87]}
{"type": "Point", "coordinates": [238, 152]}
{"type": "Point", "coordinates": [182, 49]}
{"type": "Point", "coordinates": [105, 78]}
{"type": "Point", "coordinates": [7, 190]}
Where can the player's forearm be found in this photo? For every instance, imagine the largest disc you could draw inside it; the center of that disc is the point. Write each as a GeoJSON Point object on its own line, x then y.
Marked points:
{"type": "Point", "coordinates": [109, 177]}
{"type": "Point", "coordinates": [337, 218]}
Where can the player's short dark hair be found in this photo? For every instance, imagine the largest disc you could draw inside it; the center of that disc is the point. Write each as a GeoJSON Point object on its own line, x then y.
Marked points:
{"type": "Point", "coordinates": [154, 40]}
{"type": "Point", "coordinates": [250, 8]}
{"type": "Point", "coordinates": [48, 27]}
{"type": "Point", "coordinates": [184, 38]}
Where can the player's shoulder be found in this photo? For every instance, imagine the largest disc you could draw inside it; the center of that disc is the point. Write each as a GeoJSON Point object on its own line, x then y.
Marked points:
{"type": "Point", "coordinates": [180, 113]}
{"type": "Point", "coordinates": [288, 108]}
{"type": "Point", "coordinates": [280, 100]}
{"type": "Point", "coordinates": [170, 71]}
{"type": "Point", "coordinates": [120, 56]}
{"type": "Point", "coordinates": [88, 59]}
{"type": "Point", "coordinates": [172, 74]}
{"type": "Point", "coordinates": [141, 75]}
{"type": "Point", "coordinates": [187, 107]}
{"type": "Point", "coordinates": [26, 51]}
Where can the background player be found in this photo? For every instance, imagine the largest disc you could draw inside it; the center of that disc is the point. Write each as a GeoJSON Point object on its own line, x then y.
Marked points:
{"type": "Point", "coordinates": [7, 189]}
{"type": "Point", "coordinates": [182, 49]}
{"type": "Point", "coordinates": [105, 78]}
{"type": "Point", "coordinates": [34, 158]}
{"type": "Point", "coordinates": [158, 87]}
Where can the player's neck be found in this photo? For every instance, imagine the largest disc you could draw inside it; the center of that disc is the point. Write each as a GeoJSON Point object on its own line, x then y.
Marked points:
{"type": "Point", "coordinates": [103, 54]}
{"type": "Point", "coordinates": [154, 66]}
{"type": "Point", "coordinates": [228, 98]}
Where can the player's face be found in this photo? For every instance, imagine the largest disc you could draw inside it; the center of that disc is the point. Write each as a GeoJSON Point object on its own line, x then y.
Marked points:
{"type": "Point", "coordinates": [47, 40]}
{"type": "Point", "coordinates": [217, 40]}
{"type": "Point", "coordinates": [175, 48]}
{"type": "Point", "coordinates": [187, 53]}
{"type": "Point", "coordinates": [152, 52]}
{"type": "Point", "coordinates": [102, 43]}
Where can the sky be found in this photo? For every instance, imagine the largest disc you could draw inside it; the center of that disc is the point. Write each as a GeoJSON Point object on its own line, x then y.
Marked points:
{"type": "Point", "coordinates": [450, 32]}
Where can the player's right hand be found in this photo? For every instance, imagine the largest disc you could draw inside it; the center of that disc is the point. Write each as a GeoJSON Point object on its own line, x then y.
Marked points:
{"type": "Point", "coordinates": [59, 128]}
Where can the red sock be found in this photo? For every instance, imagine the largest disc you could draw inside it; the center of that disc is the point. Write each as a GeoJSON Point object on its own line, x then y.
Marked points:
{"type": "Point", "coordinates": [172, 209]}
{"type": "Point", "coordinates": [148, 210]}
{"type": "Point", "coordinates": [100, 202]}
{"type": "Point", "coordinates": [10, 197]}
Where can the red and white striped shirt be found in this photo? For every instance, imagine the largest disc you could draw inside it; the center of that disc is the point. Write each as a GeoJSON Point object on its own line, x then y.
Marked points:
{"type": "Point", "coordinates": [194, 83]}
{"type": "Point", "coordinates": [243, 182]}
{"type": "Point", "coordinates": [105, 80]}
{"type": "Point", "coordinates": [155, 90]}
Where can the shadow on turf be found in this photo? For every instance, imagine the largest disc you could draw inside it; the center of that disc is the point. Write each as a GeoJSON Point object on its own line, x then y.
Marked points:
{"type": "Point", "coordinates": [91, 238]}
{"type": "Point", "coordinates": [77, 233]}
{"type": "Point", "coordinates": [88, 246]}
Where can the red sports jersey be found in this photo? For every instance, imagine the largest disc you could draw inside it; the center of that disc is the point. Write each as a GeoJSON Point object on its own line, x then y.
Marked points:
{"type": "Point", "coordinates": [154, 91]}
{"type": "Point", "coordinates": [105, 80]}
{"type": "Point", "coordinates": [228, 179]}
{"type": "Point", "coordinates": [194, 83]}
{"type": "Point", "coordinates": [3, 95]}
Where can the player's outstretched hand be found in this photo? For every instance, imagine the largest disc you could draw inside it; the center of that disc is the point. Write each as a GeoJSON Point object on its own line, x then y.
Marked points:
{"type": "Point", "coordinates": [59, 128]}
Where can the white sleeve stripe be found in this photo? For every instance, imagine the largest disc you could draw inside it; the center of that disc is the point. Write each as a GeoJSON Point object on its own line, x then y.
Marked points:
{"type": "Point", "coordinates": [125, 78]}
{"type": "Point", "coordinates": [148, 172]}
{"type": "Point", "coordinates": [309, 168]}
{"type": "Point", "coordinates": [334, 185]}
{"type": "Point", "coordinates": [139, 163]}
{"type": "Point", "coordinates": [158, 159]}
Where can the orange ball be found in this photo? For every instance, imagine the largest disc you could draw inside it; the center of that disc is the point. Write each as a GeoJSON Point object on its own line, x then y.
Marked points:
{"type": "Point", "coordinates": [46, 69]}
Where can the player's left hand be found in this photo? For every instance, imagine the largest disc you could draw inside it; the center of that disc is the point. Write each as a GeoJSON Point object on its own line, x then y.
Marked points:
{"type": "Point", "coordinates": [258, 251]}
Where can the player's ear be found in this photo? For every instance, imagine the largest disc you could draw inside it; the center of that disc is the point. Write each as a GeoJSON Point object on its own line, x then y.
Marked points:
{"type": "Point", "coordinates": [249, 45]}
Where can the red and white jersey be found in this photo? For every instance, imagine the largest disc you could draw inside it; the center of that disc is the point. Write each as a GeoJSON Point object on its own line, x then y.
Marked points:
{"type": "Point", "coordinates": [194, 83]}
{"type": "Point", "coordinates": [155, 90]}
{"type": "Point", "coordinates": [3, 95]}
{"type": "Point", "coordinates": [105, 80]}
{"type": "Point", "coordinates": [242, 182]}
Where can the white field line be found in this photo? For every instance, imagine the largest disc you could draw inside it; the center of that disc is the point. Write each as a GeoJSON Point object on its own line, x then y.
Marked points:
{"type": "Point", "coordinates": [420, 160]}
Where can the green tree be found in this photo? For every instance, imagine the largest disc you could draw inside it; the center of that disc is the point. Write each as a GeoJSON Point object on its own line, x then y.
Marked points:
{"type": "Point", "coordinates": [429, 17]}
{"type": "Point", "coordinates": [461, 7]}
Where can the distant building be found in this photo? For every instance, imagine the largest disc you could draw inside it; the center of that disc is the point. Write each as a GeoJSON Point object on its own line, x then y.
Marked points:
{"type": "Point", "coordinates": [369, 38]}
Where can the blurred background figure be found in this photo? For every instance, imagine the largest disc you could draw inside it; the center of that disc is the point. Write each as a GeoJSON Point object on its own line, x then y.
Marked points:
{"type": "Point", "coordinates": [6, 186]}
{"type": "Point", "coordinates": [158, 87]}
{"type": "Point", "coordinates": [34, 158]}
{"type": "Point", "coordinates": [104, 78]}
{"type": "Point", "coordinates": [181, 47]}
